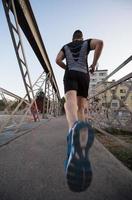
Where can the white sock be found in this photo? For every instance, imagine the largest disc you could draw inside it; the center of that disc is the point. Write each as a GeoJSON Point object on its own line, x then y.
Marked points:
{"type": "Point", "coordinates": [70, 130]}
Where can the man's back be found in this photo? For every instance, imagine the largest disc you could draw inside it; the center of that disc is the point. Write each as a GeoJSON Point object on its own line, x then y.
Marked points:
{"type": "Point", "coordinates": [76, 55]}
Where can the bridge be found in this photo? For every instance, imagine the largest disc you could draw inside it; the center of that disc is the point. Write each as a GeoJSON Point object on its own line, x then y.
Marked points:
{"type": "Point", "coordinates": [32, 147]}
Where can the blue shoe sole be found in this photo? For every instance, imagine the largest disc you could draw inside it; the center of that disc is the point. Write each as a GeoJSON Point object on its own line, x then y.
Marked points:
{"type": "Point", "coordinates": [79, 172]}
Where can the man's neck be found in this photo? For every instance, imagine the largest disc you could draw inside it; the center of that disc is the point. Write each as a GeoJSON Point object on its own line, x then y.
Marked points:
{"type": "Point", "coordinates": [79, 39]}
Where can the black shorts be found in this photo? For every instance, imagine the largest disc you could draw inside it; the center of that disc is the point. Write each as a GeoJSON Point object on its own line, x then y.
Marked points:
{"type": "Point", "coordinates": [75, 80]}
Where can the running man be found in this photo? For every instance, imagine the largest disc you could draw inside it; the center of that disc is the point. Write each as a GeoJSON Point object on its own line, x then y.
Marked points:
{"type": "Point", "coordinates": [76, 83]}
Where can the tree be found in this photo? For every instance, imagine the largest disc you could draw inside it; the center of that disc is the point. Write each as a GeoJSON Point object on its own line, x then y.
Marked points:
{"type": "Point", "coordinates": [2, 105]}
{"type": "Point", "coordinates": [40, 100]}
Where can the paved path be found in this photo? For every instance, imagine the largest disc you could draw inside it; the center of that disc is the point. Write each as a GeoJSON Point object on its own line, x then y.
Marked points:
{"type": "Point", "coordinates": [31, 168]}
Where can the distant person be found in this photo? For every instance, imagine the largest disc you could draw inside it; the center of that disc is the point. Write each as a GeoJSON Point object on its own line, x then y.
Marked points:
{"type": "Point", "coordinates": [76, 83]}
{"type": "Point", "coordinates": [34, 112]}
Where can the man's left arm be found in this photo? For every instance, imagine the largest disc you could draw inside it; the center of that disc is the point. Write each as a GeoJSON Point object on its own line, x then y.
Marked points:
{"type": "Point", "coordinates": [59, 59]}
{"type": "Point", "coordinates": [97, 46]}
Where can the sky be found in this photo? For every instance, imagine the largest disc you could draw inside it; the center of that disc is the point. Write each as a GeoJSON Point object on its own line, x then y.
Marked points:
{"type": "Point", "coordinates": [110, 21]}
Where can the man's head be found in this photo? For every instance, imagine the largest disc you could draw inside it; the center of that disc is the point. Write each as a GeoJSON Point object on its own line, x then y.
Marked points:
{"type": "Point", "coordinates": [77, 35]}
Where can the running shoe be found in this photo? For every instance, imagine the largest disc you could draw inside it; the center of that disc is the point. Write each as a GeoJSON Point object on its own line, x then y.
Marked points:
{"type": "Point", "coordinates": [69, 139]}
{"type": "Point", "coordinates": [69, 136]}
{"type": "Point", "coordinates": [78, 167]}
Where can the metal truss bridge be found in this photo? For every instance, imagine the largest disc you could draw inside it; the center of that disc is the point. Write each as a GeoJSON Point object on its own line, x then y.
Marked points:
{"type": "Point", "coordinates": [107, 108]}
{"type": "Point", "coordinates": [19, 17]}
{"type": "Point", "coordinates": [31, 167]}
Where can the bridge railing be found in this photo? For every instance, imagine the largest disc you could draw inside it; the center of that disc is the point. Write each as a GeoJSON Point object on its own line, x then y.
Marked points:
{"type": "Point", "coordinates": [20, 17]}
{"type": "Point", "coordinates": [14, 110]}
{"type": "Point", "coordinates": [111, 105]}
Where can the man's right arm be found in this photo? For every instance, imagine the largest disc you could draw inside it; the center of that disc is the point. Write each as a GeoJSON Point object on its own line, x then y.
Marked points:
{"type": "Point", "coordinates": [59, 59]}
{"type": "Point", "coordinates": [97, 46]}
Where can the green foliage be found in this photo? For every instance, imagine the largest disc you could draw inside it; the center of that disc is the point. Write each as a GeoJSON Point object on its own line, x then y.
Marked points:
{"type": "Point", "coordinates": [115, 131]}
{"type": "Point", "coordinates": [123, 155]}
{"type": "Point", "coordinates": [2, 105]}
{"type": "Point", "coordinates": [40, 94]}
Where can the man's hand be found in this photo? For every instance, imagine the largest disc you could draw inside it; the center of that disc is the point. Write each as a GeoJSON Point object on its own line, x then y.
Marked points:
{"type": "Point", "coordinates": [92, 68]}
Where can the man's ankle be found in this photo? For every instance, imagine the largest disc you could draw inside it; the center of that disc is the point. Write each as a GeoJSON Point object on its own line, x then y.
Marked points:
{"type": "Point", "coordinates": [74, 124]}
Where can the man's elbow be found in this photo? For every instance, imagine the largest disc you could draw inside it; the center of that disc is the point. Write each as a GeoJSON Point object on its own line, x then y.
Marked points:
{"type": "Point", "coordinates": [58, 61]}
{"type": "Point", "coordinates": [101, 43]}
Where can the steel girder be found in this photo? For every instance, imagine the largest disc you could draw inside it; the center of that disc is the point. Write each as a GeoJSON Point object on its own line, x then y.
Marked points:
{"type": "Point", "coordinates": [18, 46]}
{"type": "Point", "coordinates": [24, 17]}
{"type": "Point", "coordinates": [29, 26]}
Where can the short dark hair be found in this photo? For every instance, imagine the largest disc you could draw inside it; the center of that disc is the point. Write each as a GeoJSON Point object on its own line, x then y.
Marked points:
{"type": "Point", "coordinates": [77, 35]}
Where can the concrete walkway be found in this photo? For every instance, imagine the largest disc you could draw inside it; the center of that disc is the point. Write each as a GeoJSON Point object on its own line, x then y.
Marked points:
{"type": "Point", "coordinates": [31, 168]}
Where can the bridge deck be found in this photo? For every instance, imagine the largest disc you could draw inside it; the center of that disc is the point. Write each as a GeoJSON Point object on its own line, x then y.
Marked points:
{"type": "Point", "coordinates": [31, 167]}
